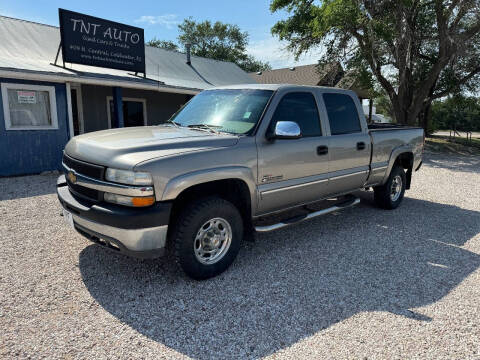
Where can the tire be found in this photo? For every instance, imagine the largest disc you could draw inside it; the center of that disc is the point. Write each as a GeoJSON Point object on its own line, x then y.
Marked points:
{"type": "Point", "coordinates": [385, 196]}
{"type": "Point", "coordinates": [206, 224]}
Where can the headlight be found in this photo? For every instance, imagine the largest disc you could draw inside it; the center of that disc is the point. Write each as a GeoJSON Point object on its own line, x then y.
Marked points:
{"type": "Point", "coordinates": [129, 200]}
{"type": "Point", "coordinates": [128, 177]}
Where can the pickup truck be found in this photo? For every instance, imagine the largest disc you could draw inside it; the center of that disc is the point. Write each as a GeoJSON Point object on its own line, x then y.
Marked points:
{"type": "Point", "coordinates": [229, 159]}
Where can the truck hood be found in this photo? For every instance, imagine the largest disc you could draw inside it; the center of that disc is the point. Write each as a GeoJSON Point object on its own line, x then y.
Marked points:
{"type": "Point", "coordinates": [126, 147]}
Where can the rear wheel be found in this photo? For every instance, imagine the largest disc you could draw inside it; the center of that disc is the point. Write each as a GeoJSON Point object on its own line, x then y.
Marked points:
{"type": "Point", "coordinates": [207, 237]}
{"type": "Point", "coordinates": [390, 195]}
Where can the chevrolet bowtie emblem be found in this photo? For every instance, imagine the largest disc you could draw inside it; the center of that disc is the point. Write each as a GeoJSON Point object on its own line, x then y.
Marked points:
{"type": "Point", "coordinates": [72, 177]}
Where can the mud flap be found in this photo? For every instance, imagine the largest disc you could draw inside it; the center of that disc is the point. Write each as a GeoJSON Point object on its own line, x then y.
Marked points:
{"type": "Point", "coordinates": [409, 178]}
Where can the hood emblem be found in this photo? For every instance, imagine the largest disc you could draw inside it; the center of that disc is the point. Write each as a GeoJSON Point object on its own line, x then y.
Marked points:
{"type": "Point", "coordinates": [72, 177]}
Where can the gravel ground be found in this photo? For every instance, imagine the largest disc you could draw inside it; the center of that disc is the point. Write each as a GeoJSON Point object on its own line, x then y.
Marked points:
{"type": "Point", "coordinates": [462, 133]}
{"type": "Point", "coordinates": [363, 283]}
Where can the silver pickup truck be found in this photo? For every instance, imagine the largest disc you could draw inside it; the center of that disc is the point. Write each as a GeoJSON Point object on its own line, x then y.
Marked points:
{"type": "Point", "coordinates": [234, 160]}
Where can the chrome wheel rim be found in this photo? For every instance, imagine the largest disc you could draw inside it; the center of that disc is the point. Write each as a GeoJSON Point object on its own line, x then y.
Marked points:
{"type": "Point", "coordinates": [396, 188]}
{"type": "Point", "coordinates": [212, 241]}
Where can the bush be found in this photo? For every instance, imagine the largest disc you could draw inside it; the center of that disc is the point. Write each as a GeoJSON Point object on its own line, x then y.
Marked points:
{"type": "Point", "coordinates": [457, 112]}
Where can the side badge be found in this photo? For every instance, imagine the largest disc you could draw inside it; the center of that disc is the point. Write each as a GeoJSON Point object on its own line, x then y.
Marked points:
{"type": "Point", "coordinates": [270, 178]}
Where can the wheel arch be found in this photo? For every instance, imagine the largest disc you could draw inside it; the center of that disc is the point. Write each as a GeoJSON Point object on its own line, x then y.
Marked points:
{"type": "Point", "coordinates": [233, 184]}
{"type": "Point", "coordinates": [402, 156]}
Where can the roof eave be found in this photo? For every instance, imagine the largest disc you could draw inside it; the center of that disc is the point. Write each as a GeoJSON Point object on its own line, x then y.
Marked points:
{"type": "Point", "coordinates": [152, 85]}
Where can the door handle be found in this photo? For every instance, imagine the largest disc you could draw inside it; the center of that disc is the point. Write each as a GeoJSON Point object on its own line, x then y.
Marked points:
{"type": "Point", "coordinates": [322, 150]}
{"type": "Point", "coordinates": [361, 145]}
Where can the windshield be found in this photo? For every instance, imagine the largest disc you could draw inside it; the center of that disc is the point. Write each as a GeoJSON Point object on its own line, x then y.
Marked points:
{"type": "Point", "coordinates": [233, 111]}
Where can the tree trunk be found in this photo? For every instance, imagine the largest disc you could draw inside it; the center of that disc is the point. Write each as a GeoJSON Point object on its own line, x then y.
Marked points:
{"type": "Point", "coordinates": [405, 114]}
{"type": "Point", "coordinates": [424, 117]}
{"type": "Point", "coordinates": [397, 110]}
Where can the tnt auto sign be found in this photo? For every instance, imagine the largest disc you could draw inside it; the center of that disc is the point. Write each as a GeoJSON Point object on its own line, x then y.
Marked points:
{"type": "Point", "coordinates": [93, 41]}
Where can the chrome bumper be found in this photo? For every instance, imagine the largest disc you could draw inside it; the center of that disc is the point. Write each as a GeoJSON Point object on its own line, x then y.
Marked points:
{"type": "Point", "coordinates": [133, 242]}
{"type": "Point", "coordinates": [134, 232]}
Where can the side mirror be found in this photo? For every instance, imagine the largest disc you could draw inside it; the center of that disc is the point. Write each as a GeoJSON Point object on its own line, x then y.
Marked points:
{"type": "Point", "coordinates": [287, 130]}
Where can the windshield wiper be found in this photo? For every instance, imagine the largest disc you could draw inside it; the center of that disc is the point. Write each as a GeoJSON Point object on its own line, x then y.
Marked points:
{"type": "Point", "coordinates": [170, 121]}
{"type": "Point", "coordinates": [206, 127]}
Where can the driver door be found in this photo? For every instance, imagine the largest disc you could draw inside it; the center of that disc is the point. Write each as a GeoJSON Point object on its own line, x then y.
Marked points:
{"type": "Point", "coordinates": [293, 171]}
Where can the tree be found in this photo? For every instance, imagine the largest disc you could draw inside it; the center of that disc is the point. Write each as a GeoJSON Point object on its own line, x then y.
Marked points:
{"type": "Point", "coordinates": [417, 50]}
{"type": "Point", "coordinates": [163, 44]}
{"type": "Point", "coordinates": [250, 64]}
{"type": "Point", "coordinates": [456, 112]}
{"type": "Point", "coordinates": [219, 41]}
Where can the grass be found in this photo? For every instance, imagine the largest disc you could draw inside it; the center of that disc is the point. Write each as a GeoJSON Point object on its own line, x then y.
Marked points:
{"type": "Point", "coordinates": [458, 145]}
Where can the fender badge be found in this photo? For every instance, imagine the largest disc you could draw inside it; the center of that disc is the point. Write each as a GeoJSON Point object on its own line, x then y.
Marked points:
{"type": "Point", "coordinates": [72, 177]}
{"type": "Point", "coordinates": [269, 178]}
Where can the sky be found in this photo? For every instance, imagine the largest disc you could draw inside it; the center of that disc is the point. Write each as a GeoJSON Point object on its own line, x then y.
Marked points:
{"type": "Point", "coordinates": [160, 19]}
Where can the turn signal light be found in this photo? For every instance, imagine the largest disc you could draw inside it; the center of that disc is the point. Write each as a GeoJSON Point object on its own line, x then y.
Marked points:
{"type": "Point", "coordinates": [129, 200]}
{"type": "Point", "coordinates": [143, 201]}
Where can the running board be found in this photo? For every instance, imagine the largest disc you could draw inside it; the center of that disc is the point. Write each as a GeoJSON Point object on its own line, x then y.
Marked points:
{"type": "Point", "coordinates": [298, 219]}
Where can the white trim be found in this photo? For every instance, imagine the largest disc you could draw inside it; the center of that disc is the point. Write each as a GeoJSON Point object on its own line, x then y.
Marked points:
{"type": "Point", "coordinates": [78, 88]}
{"type": "Point", "coordinates": [69, 110]}
{"type": "Point", "coordinates": [142, 100]}
{"type": "Point", "coordinates": [93, 81]}
{"type": "Point", "coordinates": [6, 107]}
{"type": "Point", "coordinates": [268, 192]}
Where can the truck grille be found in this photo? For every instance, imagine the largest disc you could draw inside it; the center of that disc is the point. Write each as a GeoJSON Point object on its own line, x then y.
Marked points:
{"type": "Point", "coordinates": [84, 168]}
{"type": "Point", "coordinates": [87, 169]}
{"type": "Point", "coordinates": [89, 194]}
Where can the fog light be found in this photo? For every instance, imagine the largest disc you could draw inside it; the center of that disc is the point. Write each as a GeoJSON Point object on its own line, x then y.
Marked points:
{"type": "Point", "coordinates": [129, 200]}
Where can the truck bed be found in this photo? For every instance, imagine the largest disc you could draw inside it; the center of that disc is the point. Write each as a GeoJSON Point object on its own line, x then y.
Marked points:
{"type": "Point", "coordinates": [385, 138]}
{"type": "Point", "coordinates": [389, 126]}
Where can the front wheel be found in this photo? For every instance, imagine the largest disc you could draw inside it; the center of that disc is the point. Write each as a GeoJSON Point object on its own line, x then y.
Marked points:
{"type": "Point", "coordinates": [207, 237]}
{"type": "Point", "coordinates": [390, 195]}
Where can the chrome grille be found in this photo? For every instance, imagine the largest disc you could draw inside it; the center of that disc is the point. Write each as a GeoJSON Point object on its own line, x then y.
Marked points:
{"type": "Point", "coordinates": [84, 168]}
{"type": "Point", "coordinates": [87, 169]}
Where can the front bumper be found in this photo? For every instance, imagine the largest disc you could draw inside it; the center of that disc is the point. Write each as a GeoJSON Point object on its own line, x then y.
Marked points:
{"type": "Point", "coordinates": [135, 232]}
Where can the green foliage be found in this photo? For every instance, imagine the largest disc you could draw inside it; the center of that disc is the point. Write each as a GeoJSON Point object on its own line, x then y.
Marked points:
{"type": "Point", "coordinates": [416, 50]}
{"type": "Point", "coordinates": [384, 106]}
{"type": "Point", "coordinates": [219, 41]}
{"type": "Point", "coordinates": [457, 112]}
{"type": "Point", "coordinates": [250, 64]}
{"type": "Point", "coordinates": [216, 41]}
{"type": "Point", "coordinates": [163, 44]}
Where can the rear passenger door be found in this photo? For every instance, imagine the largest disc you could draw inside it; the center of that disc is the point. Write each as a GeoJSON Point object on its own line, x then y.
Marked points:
{"type": "Point", "coordinates": [292, 171]}
{"type": "Point", "coordinates": [348, 143]}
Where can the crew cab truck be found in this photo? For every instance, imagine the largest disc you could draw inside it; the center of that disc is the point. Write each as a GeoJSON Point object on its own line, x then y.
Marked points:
{"type": "Point", "coordinates": [229, 158]}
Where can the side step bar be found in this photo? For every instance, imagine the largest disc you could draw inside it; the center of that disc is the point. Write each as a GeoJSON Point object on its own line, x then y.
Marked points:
{"type": "Point", "coordinates": [298, 219]}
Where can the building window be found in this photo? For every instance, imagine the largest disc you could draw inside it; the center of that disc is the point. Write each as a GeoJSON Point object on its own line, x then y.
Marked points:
{"type": "Point", "coordinates": [29, 107]}
{"type": "Point", "coordinates": [134, 111]}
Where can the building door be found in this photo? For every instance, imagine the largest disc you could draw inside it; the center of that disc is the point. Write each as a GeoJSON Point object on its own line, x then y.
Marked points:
{"type": "Point", "coordinates": [134, 112]}
{"type": "Point", "coordinates": [75, 120]}
{"type": "Point", "coordinates": [77, 109]}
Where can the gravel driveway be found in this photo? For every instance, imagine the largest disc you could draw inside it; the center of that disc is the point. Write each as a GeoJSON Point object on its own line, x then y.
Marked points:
{"type": "Point", "coordinates": [363, 283]}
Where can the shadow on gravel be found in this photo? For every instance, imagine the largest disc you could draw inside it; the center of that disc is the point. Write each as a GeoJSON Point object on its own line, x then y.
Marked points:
{"type": "Point", "coordinates": [293, 283]}
{"type": "Point", "coordinates": [17, 187]}
{"type": "Point", "coordinates": [466, 163]}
